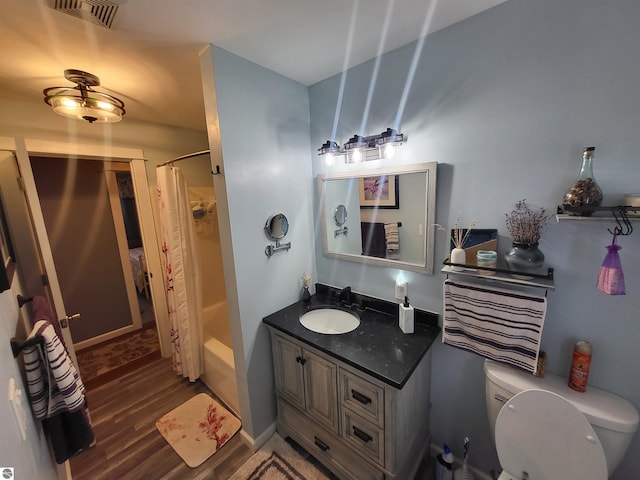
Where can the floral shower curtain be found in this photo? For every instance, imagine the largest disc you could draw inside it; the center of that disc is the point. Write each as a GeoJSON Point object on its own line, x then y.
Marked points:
{"type": "Point", "coordinates": [181, 272]}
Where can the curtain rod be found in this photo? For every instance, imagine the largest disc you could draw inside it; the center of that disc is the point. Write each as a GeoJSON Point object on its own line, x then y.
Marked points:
{"type": "Point", "coordinates": [184, 157]}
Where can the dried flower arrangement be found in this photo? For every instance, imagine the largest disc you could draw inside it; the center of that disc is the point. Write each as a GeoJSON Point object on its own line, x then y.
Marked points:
{"type": "Point", "coordinates": [525, 224]}
{"type": "Point", "coordinates": [458, 234]}
{"type": "Point", "coordinates": [306, 279]}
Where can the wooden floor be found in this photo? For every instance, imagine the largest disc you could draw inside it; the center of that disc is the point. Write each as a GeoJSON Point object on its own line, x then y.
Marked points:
{"type": "Point", "coordinates": [129, 447]}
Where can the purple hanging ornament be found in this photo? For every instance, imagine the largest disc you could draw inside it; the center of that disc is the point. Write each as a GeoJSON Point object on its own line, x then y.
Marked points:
{"type": "Point", "coordinates": [611, 276]}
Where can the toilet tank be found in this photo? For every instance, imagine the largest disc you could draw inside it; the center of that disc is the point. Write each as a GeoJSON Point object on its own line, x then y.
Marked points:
{"type": "Point", "coordinates": [613, 418]}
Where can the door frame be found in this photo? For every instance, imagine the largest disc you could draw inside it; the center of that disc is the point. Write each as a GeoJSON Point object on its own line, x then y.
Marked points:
{"type": "Point", "coordinates": [23, 147]}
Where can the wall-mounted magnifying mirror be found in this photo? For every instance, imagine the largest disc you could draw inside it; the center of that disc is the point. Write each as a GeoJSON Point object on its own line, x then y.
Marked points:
{"type": "Point", "coordinates": [391, 216]}
{"type": "Point", "coordinates": [340, 215]}
{"type": "Point", "coordinates": [276, 228]}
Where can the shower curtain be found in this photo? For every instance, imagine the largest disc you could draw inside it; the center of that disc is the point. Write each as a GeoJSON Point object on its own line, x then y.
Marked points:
{"type": "Point", "coordinates": [182, 274]}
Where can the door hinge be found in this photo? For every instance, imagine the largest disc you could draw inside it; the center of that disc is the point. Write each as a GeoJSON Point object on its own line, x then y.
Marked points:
{"type": "Point", "coordinates": [45, 280]}
{"type": "Point", "coordinates": [20, 184]}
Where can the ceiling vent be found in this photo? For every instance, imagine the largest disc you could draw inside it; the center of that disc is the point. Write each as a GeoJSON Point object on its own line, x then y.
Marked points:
{"type": "Point", "coordinates": [99, 12]}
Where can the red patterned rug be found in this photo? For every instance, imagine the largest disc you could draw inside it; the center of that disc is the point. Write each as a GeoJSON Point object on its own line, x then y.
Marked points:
{"type": "Point", "coordinates": [102, 359]}
{"type": "Point", "coordinates": [198, 428]}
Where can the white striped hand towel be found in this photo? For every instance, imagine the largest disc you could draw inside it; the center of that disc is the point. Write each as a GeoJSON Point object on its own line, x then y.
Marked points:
{"type": "Point", "coordinates": [504, 325]}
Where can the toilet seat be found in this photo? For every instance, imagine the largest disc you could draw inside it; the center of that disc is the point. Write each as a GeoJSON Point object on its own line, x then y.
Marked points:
{"type": "Point", "coordinates": [543, 434]}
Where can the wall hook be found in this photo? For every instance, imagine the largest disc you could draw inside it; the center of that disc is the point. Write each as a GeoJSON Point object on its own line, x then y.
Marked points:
{"type": "Point", "coordinates": [623, 226]}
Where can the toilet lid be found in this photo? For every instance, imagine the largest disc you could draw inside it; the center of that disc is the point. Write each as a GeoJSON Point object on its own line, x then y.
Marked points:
{"type": "Point", "coordinates": [541, 433]}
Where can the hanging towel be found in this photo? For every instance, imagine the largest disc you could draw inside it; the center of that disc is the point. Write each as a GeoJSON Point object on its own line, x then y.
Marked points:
{"type": "Point", "coordinates": [500, 324]}
{"type": "Point", "coordinates": [56, 394]}
{"type": "Point", "coordinates": [392, 239]}
{"type": "Point", "coordinates": [41, 310]}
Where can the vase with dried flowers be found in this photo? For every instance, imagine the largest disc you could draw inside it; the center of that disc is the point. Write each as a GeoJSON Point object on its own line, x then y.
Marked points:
{"type": "Point", "coordinates": [306, 283]}
{"type": "Point", "coordinates": [525, 225]}
{"type": "Point", "coordinates": [459, 236]}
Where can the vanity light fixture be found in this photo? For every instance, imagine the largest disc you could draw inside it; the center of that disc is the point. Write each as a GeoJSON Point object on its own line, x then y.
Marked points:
{"type": "Point", "coordinates": [355, 148]}
{"type": "Point", "coordinates": [82, 101]}
{"type": "Point", "coordinates": [330, 150]}
{"type": "Point", "coordinates": [359, 148]}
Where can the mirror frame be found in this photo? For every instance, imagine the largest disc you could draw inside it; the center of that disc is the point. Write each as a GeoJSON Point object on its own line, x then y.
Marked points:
{"type": "Point", "coordinates": [430, 169]}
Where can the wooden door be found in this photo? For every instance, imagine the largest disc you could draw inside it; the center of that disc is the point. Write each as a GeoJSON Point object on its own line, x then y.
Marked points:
{"type": "Point", "coordinates": [321, 390]}
{"type": "Point", "coordinates": [288, 371]}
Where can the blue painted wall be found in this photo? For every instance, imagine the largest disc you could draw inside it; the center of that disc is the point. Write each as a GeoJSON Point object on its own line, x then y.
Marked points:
{"type": "Point", "coordinates": [505, 101]}
{"type": "Point", "coordinates": [264, 130]}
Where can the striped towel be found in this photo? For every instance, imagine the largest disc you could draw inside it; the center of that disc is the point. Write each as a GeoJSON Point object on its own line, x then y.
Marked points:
{"type": "Point", "coordinates": [52, 380]}
{"type": "Point", "coordinates": [504, 325]}
{"type": "Point", "coordinates": [392, 239]}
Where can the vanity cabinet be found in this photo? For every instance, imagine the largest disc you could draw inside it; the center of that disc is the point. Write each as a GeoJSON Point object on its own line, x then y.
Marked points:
{"type": "Point", "coordinates": [358, 426]}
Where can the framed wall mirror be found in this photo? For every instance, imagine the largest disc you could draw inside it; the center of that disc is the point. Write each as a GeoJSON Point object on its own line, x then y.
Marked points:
{"type": "Point", "coordinates": [391, 216]}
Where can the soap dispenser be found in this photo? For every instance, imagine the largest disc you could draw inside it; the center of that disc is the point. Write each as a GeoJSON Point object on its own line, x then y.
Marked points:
{"type": "Point", "coordinates": [406, 316]}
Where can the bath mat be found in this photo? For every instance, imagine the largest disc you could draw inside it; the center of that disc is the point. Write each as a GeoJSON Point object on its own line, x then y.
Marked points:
{"type": "Point", "coordinates": [198, 428]}
{"type": "Point", "coordinates": [277, 460]}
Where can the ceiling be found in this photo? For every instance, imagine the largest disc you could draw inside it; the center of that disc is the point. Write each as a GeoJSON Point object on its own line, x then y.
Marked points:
{"type": "Point", "coordinates": [149, 57]}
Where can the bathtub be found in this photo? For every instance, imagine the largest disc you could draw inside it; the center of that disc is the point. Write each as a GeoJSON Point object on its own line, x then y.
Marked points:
{"type": "Point", "coordinates": [219, 368]}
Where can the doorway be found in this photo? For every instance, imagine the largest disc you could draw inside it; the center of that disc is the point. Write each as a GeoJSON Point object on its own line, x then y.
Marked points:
{"type": "Point", "coordinates": [84, 216]}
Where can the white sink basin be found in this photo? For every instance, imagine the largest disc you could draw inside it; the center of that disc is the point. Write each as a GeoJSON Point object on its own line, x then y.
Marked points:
{"type": "Point", "coordinates": [330, 321]}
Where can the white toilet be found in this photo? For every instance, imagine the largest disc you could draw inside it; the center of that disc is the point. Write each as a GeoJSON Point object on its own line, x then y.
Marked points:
{"type": "Point", "coordinates": [546, 431]}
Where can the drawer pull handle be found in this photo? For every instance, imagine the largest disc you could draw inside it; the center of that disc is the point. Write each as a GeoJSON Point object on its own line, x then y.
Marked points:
{"type": "Point", "coordinates": [362, 435]}
{"type": "Point", "coordinates": [320, 444]}
{"type": "Point", "coordinates": [360, 397]}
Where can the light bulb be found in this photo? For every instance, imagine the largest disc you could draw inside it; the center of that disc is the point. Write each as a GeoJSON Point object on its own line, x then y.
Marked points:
{"type": "Point", "coordinates": [329, 159]}
{"type": "Point", "coordinates": [356, 156]}
{"type": "Point", "coordinates": [389, 151]}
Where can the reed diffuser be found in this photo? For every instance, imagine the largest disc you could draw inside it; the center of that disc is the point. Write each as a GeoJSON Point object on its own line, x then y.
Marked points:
{"type": "Point", "coordinates": [459, 236]}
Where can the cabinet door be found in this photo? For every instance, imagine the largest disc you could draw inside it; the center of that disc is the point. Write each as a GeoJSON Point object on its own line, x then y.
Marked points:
{"type": "Point", "coordinates": [287, 361]}
{"type": "Point", "coordinates": [321, 390]}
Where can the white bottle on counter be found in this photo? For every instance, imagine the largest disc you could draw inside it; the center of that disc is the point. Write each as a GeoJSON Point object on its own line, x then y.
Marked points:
{"type": "Point", "coordinates": [406, 316]}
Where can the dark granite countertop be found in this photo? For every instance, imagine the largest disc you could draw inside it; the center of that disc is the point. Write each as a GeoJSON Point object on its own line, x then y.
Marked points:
{"type": "Point", "coordinates": [377, 347]}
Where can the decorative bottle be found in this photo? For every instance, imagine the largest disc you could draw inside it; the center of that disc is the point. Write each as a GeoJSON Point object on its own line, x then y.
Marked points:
{"type": "Point", "coordinates": [584, 192]}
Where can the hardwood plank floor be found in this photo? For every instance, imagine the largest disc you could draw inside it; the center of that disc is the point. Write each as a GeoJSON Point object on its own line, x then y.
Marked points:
{"type": "Point", "coordinates": [128, 445]}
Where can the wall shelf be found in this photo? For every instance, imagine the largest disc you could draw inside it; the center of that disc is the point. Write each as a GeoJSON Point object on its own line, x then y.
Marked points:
{"type": "Point", "coordinates": [560, 217]}
{"type": "Point", "coordinates": [600, 214]}
{"type": "Point", "coordinates": [525, 279]}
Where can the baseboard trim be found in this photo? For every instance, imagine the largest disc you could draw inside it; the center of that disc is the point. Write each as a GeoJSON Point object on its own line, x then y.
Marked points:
{"type": "Point", "coordinates": [254, 444]}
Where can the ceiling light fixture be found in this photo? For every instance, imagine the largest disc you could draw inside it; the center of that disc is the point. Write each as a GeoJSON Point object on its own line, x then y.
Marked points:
{"type": "Point", "coordinates": [358, 148]}
{"type": "Point", "coordinates": [82, 102]}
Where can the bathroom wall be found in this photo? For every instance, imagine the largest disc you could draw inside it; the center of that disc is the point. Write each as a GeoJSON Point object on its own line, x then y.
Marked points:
{"type": "Point", "coordinates": [505, 101]}
{"type": "Point", "coordinates": [259, 131]}
{"type": "Point", "coordinates": [29, 458]}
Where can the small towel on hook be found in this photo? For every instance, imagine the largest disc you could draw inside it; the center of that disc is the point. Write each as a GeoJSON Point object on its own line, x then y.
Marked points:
{"type": "Point", "coordinates": [496, 323]}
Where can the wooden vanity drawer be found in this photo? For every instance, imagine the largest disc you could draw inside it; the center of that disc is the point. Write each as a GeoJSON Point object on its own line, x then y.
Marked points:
{"type": "Point", "coordinates": [324, 446]}
{"type": "Point", "coordinates": [363, 435]}
{"type": "Point", "coordinates": [363, 397]}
